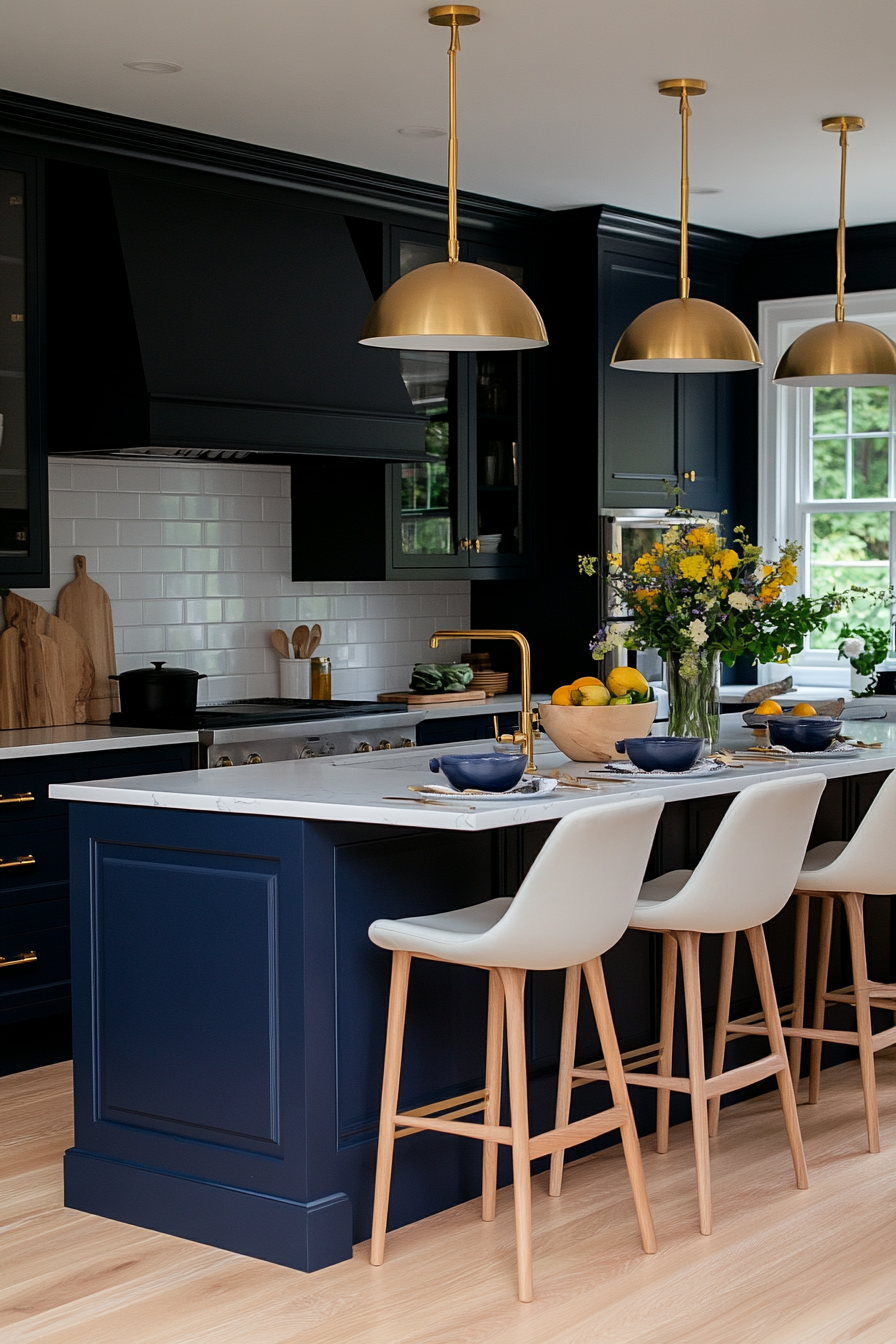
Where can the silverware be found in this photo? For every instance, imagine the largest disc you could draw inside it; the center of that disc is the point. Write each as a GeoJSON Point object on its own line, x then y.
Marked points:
{"type": "Point", "coordinates": [280, 642]}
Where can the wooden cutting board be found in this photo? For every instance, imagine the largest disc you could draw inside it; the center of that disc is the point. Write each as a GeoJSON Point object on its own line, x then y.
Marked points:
{"type": "Point", "coordinates": [67, 665]}
{"type": "Point", "coordinates": [29, 675]}
{"type": "Point", "coordinates": [437, 698]}
{"type": "Point", "coordinates": [86, 606]}
{"type": "Point", "coordinates": [12, 691]}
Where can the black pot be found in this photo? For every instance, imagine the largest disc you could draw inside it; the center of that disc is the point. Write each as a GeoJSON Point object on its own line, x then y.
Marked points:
{"type": "Point", "coordinates": [157, 694]}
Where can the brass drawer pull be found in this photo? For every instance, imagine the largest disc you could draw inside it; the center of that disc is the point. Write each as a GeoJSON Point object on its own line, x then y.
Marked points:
{"type": "Point", "coordinates": [17, 798]}
{"type": "Point", "coordinates": [23, 861]}
{"type": "Point", "coordinates": [21, 960]}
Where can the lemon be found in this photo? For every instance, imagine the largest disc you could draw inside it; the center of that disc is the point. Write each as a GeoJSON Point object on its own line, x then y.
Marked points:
{"type": "Point", "coordinates": [592, 696]}
{"type": "Point", "coordinates": [585, 681]}
{"type": "Point", "coordinates": [769, 707]}
{"type": "Point", "coordinates": [561, 696]}
{"type": "Point", "coordinates": [625, 681]}
{"type": "Point", "coordinates": [802, 711]}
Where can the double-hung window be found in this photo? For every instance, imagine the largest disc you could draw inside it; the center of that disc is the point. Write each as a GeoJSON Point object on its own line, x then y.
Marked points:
{"type": "Point", "coordinates": [827, 475]}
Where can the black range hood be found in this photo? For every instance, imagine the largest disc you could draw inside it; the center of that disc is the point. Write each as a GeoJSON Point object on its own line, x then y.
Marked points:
{"type": "Point", "coordinates": [211, 321]}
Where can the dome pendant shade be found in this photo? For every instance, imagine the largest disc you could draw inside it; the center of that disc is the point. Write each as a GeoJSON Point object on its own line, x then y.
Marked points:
{"type": "Point", "coordinates": [454, 306]}
{"type": "Point", "coordinates": [686, 336]}
{"type": "Point", "coordinates": [839, 354]}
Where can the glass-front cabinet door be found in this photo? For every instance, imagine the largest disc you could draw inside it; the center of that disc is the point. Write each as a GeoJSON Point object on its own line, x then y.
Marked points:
{"type": "Point", "coordinates": [22, 485]}
{"type": "Point", "coordinates": [461, 508]}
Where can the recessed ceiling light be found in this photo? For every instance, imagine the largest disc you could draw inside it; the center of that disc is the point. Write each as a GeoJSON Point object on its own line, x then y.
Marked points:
{"type": "Point", "coordinates": [706, 191]}
{"type": "Point", "coordinates": [422, 132]}
{"type": "Point", "coordinates": [154, 67]}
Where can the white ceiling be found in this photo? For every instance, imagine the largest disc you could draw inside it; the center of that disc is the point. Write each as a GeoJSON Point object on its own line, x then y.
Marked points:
{"type": "Point", "coordinates": [557, 101]}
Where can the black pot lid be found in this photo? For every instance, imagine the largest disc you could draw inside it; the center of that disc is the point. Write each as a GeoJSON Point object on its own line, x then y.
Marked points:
{"type": "Point", "coordinates": [159, 670]}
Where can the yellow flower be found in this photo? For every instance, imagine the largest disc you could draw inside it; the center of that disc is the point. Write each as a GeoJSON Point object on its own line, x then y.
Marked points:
{"type": "Point", "coordinates": [787, 573]}
{"type": "Point", "coordinates": [658, 547]}
{"type": "Point", "coordinates": [645, 564]}
{"type": "Point", "coordinates": [769, 592]}
{"type": "Point", "coordinates": [700, 536]}
{"type": "Point", "coordinates": [645, 595]}
{"type": "Point", "coordinates": [726, 560]}
{"type": "Point", "coordinates": [614, 559]}
{"type": "Point", "coordinates": [767, 569]}
{"type": "Point", "coordinates": [694, 567]}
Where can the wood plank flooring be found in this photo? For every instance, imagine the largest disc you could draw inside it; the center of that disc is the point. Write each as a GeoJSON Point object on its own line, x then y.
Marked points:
{"type": "Point", "coordinates": [783, 1266]}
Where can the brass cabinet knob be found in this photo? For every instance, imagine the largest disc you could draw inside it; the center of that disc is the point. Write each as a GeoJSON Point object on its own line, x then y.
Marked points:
{"type": "Point", "coordinates": [22, 959]}
{"type": "Point", "coordinates": [23, 861]}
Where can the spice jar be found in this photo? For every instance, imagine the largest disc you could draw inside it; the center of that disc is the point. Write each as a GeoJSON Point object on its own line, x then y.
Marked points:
{"type": "Point", "coordinates": [320, 679]}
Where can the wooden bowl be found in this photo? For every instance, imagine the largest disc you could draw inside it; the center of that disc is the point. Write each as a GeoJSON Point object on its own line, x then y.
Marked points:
{"type": "Point", "coordinates": [590, 733]}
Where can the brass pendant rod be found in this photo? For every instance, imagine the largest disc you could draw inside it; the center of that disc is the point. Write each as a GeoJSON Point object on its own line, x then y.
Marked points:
{"type": "Point", "coordinates": [841, 227]}
{"type": "Point", "coordinates": [684, 283]}
{"type": "Point", "coordinates": [454, 48]}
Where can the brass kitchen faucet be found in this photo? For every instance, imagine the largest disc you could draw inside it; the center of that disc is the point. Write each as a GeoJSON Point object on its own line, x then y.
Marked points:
{"type": "Point", "coordinates": [526, 735]}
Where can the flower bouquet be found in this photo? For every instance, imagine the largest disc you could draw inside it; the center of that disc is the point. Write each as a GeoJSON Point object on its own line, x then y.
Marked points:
{"type": "Point", "coordinates": [866, 647]}
{"type": "Point", "coordinates": [697, 600]}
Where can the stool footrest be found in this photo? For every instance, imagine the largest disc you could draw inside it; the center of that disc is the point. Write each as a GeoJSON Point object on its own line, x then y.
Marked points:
{"type": "Point", "coordinates": [715, 1086]}
{"type": "Point", "coordinates": [632, 1059]}
{"type": "Point", "coordinates": [578, 1132]}
{"type": "Point", "coordinates": [466, 1103]}
{"type": "Point", "coordinates": [808, 1034]}
{"type": "Point", "coordinates": [642, 1079]}
{"type": "Point", "coordinates": [489, 1133]}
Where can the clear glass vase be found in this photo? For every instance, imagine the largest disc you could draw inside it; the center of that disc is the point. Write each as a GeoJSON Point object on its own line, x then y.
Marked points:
{"type": "Point", "coordinates": [694, 700]}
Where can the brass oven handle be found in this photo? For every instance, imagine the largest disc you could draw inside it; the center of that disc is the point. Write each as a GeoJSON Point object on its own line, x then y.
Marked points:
{"type": "Point", "coordinates": [21, 960]}
{"type": "Point", "coordinates": [23, 861]}
{"type": "Point", "coordinates": [17, 798]}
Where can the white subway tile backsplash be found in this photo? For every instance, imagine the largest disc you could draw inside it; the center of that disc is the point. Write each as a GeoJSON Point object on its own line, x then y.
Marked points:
{"type": "Point", "coordinates": [197, 563]}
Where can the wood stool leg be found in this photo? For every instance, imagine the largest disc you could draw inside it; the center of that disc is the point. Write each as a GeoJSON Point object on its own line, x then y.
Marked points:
{"type": "Point", "coordinates": [800, 957]}
{"type": "Point", "coordinates": [597, 988]}
{"type": "Point", "coordinates": [398, 998]}
{"type": "Point", "coordinates": [854, 903]}
{"type": "Point", "coordinates": [514, 987]}
{"type": "Point", "coordinates": [821, 988]}
{"type": "Point", "coordinates": [723, 1012]}
{"type": "Point", "coordinates": [690, 973]}
{"type": "Point", "coordinates": [567, 1064]}
{"type": "Point", "coordinates": [778, 1045]}
{"type": "Point", "coordinates": [667, 1032]}
{"type": "Point", "coordinates": [494, 1050]}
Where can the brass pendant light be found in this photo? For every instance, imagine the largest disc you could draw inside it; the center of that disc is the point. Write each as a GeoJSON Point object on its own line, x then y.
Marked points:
{"type": "Point", "coordinates": [839, 353]}
{"type": "Point", "coordinates": [454, 304]}
{"type": "Point", "coordinates": [685, 335]}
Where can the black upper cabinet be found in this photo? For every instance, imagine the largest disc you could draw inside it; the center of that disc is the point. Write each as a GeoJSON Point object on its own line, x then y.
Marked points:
{"type": "Point", "coordinates": [24, 552]}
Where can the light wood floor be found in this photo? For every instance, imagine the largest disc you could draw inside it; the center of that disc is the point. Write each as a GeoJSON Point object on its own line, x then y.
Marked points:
{"type": "Point", "coordinates": [782, 1267]}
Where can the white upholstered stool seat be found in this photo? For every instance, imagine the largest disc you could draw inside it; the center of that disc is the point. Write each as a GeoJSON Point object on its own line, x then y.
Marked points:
{"type": "Point", "coordinates": [846, 872]}
{"type": "Point", "coordinates": [738, 885]}
{"type": "Point", "coordinates": [575, 902]}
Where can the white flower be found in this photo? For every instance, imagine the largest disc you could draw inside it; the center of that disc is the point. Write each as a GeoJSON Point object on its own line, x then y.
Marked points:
{"type": "Point", "coordinates": [739, 601]}
{"type": "Point", "coordinates": [697, 632]}
{"type": "Point", "coordinates": [853, 646]}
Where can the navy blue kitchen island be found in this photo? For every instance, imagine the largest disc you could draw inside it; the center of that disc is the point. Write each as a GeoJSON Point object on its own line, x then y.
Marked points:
{"type": "Point", "coordinates": [229, 1009]}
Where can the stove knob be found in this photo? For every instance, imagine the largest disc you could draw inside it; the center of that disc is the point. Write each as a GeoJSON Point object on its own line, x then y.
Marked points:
{"type": "Point", "coordinates": [384, 745]}
{"type": "Point", "coordinates": [223, 760]}
{"type": "Point", "coordinates": [406, 742]}
{"type": "Point", "coordinates": [254, 759]}
{"type": "Point", "coordinates": [362, 746]}
{"type": "Point", "coordinates": [307, 754]}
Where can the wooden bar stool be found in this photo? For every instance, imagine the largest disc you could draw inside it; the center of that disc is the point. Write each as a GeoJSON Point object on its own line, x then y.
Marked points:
{"type": "Point", "coordinates": [744, 878]}
{"type": "Point", "coordinates": [845, 872]}
{"type": "Point", "coordinates": [575, 902]}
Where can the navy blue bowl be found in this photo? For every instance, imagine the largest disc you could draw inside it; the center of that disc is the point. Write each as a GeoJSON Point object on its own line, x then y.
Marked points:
{"type": "Point", "coordinates": [662, 753]}
{"type": "Point", "coordinates": [493, 771]}
{"type": "Point", "coordinates": [809, 734]}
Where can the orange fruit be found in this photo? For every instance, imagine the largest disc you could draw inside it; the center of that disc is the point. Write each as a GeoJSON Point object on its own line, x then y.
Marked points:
{"type": "Point", "coordinates": [585, 681]}
{"type": "Point", "coordinates": [769, 707]}
{"type": "Point", "coordinates": [802, 711]}
{"type": "Point", "coordinates": [561, 696]}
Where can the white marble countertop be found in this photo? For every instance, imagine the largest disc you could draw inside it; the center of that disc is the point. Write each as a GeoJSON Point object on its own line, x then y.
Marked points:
{"type": "Point", "coordinates": [353, 789]}
{"type": "Point", "coordinates": [20, 743]}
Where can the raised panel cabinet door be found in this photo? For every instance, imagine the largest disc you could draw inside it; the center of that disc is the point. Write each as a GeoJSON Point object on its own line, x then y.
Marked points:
{"type": "Point", "coordinates": [638, 414]}
{"type": "Point", "coordinates": [703, 402]}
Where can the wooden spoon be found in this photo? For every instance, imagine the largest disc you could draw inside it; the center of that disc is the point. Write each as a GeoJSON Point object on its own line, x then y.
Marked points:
{"type": "Point", "coordinates": [313, 641]}
{"type": "Point", "coordinates": [280, 642]}
{"type": "Point", "coordinates": [299, 640]}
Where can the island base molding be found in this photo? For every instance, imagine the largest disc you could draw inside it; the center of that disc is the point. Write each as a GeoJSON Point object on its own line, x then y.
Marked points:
{"type": "Point", "coordinates": [284, 1231]}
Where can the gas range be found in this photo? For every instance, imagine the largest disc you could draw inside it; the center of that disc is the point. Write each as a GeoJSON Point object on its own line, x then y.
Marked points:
{"type": "Point", "coordinates": [249, 732]}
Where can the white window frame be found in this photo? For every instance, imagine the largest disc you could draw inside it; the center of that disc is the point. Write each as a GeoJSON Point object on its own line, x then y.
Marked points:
{"type": "Point", "coordinates": [783, 413]}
